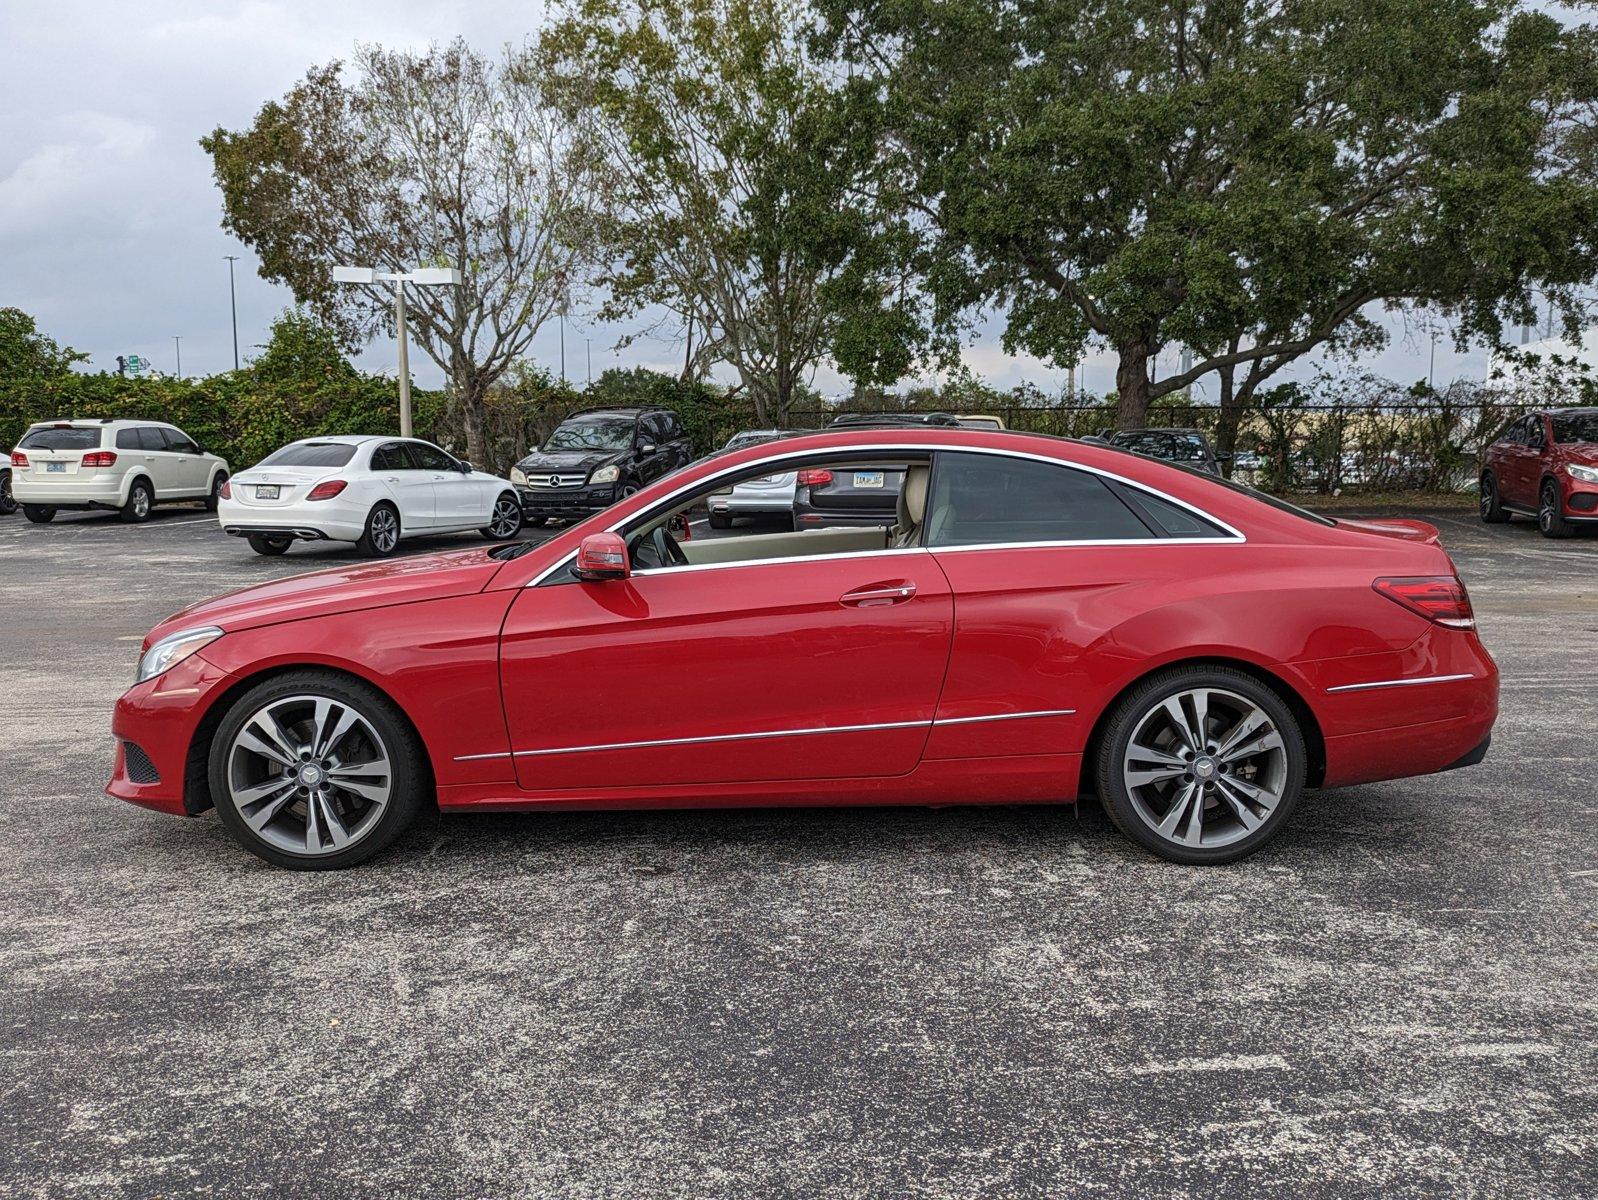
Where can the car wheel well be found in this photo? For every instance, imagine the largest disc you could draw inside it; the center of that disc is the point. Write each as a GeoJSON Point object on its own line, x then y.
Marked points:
{"type": "Point", "coordinates": [196, 768]}
{"type": "Point", "coordinates": [1314, 741]}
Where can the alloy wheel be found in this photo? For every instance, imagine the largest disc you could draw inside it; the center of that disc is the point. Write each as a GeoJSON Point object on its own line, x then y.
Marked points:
{"type": "Point", "coordinates": [309, 775]}
{"type": "Point", "coordinates": [384, 530]}
{"type": "Point", "coordinates": [507, 518]}
{"type": "Point", "coordinates": [141, 503]}
{"type": "Point", "coordinates": [1205, 767]}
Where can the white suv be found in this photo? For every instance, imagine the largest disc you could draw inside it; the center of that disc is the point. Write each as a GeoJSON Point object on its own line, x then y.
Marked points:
{"type": "Point", "coordinates": [128, 466]}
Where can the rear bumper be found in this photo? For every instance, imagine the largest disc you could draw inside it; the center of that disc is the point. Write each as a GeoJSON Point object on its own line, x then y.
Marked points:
{"type": "Point", "coordinates": [69, 494]}
{"type": "Point", "coordinates": [805, 517]}
{"type": "Point", "coordinates": [748, 505]}
{"type": "Point", "coordinates": [325, 520]}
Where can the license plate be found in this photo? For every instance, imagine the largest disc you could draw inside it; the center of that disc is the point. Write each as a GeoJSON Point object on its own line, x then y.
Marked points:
{"type": "Point", "coordinates": [53, 468]}
{"type": "Point", "coordinates": [865, 479]}
{"type": "Point", "coordinates": [267, 491]}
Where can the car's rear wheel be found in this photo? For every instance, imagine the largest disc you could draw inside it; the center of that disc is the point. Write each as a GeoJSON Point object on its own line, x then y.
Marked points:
{"type": "Point", "coordinates": [1201, 765]}
{"type": "Point", "coordinates": [215, 498]}
{"type": "Point", "coordinates": [316, 771]}
{"type": "Point", "coordinates": [269, 546]}
{"type": "Point", "coordinates": [141, 500]}
{"type": "Point", "coordinates": [382, 534]}
{"type": "Point", "coordinates": [8, 502]}
{"type": "Point", "coordinates": [720, 521]}
{"type": "Point", "coordinates": [39, 514]}
{"type": "Point", "coordinates": [506, 521]}
{"type": "Point", "coordinates": [1493, 511]}
{"type": "Point", "coordinates": [1550, 518]}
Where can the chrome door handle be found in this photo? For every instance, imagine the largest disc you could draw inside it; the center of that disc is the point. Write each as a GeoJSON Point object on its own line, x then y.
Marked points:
{"type": "Point", "coordinates": [878, 594]}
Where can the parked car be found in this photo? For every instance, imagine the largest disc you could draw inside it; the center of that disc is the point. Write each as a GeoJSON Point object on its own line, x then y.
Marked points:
{"type": "Point", "coordinates": [1544, 465]}
{"type": "Point", "coordinates": [866, 494]}
{"type": "Point", "coordinates": [981, 421]}
{"type": "Point", "coordinates": [597, 457]}
{"type": "Point", "coordinates": [122, 466]}
{"type": "Point", "coordinates": [1044, 618]}
{"type": "Point", "coordinates": [372, 491]}
{"type": "Point", "coordinates": [765, 496]}
{"type": "Point", "coordinates": [890, 420]}
{"type": "Point", "coordinates": [1186, 446]}
{"type": "Point", "coordinates": [8, 503]}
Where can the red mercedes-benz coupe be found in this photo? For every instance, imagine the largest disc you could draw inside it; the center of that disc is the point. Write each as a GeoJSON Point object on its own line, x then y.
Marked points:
{"type": "Point", "coordinates": [1043, 618]}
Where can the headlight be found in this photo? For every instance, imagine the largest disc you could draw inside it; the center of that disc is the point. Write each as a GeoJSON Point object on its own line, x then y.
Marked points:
{"type": "Point", "coordinates": [173, 649]}
{"type": "Point", "coordinates": [1585, 474]}
{"type": "Point", "coordinates": [516, 476]}
{"type": "Point", "coordinates": [608, 474]}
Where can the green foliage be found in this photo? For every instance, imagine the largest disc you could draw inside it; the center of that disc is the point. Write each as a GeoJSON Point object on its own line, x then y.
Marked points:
{"type": "Point", "coordinates": [25, 353]}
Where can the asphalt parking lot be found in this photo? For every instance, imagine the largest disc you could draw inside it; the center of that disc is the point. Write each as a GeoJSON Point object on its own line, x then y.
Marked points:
{"type": "Point", "coordinates": [1400, 997]}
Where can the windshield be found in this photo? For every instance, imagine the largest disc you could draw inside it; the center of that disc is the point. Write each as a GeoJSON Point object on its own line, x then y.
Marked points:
{"type": "Point", "coordinates": [310, 454]}
{"type": "Point", "coordinates": [1178, 447]}
{"type": "Point", "coordinates": [739, 441]}
{"type": "Point", "coordinates": [592, 435]}
{"type": "Point", "coordinates": [60, 439]}
{"type": "Point", "coordinates": [1579, 426]}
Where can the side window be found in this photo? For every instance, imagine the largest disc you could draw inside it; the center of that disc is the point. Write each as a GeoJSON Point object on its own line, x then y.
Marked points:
{"type": "Point", "coordinates": [670, 427]}
{"type": "Point", "coordinates": [429, 457]}
{"type": "Point", "coordinates": [1534, 432]}
{"type": "Point", "coordinates": [979, 499]}
{"type": "Point", "coordinates": [651, 428]}
{"type": "Point", "coordinates": [1170, 519]}
{"type": "Point", "coordinates": [128, 439]}
{"type": "Point", "coordinates": [150, 438]}
{"type": "Point", "coordinates": [392, 457]}
{"type": "Point", "coordinates": [179, 442]}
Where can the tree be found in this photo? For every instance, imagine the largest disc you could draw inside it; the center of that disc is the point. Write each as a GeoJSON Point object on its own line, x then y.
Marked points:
{"type": "Point", "coordinates": [733, 195]}
{"type": "Point", "coordinates": [25, 353]}
{"type": "Point", "coordinates": [1250, 178]}
{"type": "Point", "coordinates": [445, 158]}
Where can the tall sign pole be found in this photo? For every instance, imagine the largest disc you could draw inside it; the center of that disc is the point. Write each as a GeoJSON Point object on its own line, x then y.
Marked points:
{"type": "Point", "coordinates": [233, 304]}
{"type": "Point", "coordinates": [404, 356]}
{"type": "Point", "coordinates": [422, 277]}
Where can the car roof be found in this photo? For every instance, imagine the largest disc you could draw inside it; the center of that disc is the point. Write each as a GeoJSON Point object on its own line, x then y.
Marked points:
{"type": "Point", "coordinates": [1160, 429]}
{"type": "Point", "coordinates": [354, 439]}
{"type": "Point", "coordinates": [620, 412]}
{"type": "Point", "coordinates": [99, 423]}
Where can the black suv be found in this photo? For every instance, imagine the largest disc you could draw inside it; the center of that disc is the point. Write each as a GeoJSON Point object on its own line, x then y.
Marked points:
{"type": "Point", "coordinates": [1186, 446]}
{"type": "Point", "coordinates": [596, 457]}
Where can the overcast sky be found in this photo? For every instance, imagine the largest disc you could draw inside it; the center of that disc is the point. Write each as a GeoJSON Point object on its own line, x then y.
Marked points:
{"type": "Point", "coordinates": [110, 228]}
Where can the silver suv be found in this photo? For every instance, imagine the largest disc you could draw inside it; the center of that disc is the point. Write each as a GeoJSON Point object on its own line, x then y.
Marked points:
{"type": "Point", "coordinates": [125, 466]}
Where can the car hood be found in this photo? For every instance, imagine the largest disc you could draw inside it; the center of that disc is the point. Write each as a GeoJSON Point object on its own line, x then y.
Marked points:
{"type": "Point", "coordinates": [568, 460]}
{"type": "Point", "coordinates": [1585, 453]}
{"type": "Point", "coordinates": [343, 589]}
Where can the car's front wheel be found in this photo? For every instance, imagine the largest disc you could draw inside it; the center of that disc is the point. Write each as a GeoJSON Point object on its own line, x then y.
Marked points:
{"type": "Point", "coordinates": [382, 534]}
{"type": "Point", "coordinates": [1201, 765]}
{"type": "Point", "coordinates": [271, 547]}
{"type": "Point", "coordinates": [39, 514]}
{"type": "Point", "coordinates": [1550, 517]}
{"type": "Point", "coordinates": [506, 520]}
{"type": "Point", "coordinates": [1493, 511]}
{"type": "Point", "coordinates": [141, 500]}
{"type": "Point", "coordinates": [315, 771]}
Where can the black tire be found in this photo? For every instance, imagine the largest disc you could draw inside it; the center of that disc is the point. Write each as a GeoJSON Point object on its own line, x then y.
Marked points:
{"type": "Point", "coordinates": [507, 516]}
{"type": "Point", "coordinates": [141, 502]}
{"type": "Point", "coordinates": [1135, 707]}
{"type": "Point", "coordinates": [1551, 521]}
{"type": "Point", "coordinates": [39, 514]}
{"type": "Point", "coordinates": [381, 538]}
{"type": "Point", "coordinates": [212, 500]}
{"type": "Point", "coordinates": [720, 521]}
{"type": "Point", "coordinates": [410, 776]}
{"type": "Point", "coordinates": [8, 502]}
{"type": "Point", "coordinates": [535, 522]}
{"type": "Point", "coordinates": [271, 547]}
{"type": "Point", "coordinates": [1493, 511]}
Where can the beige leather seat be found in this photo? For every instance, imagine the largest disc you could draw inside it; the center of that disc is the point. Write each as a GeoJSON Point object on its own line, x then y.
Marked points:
{"type": "Point", "coordinates": [912, 505]}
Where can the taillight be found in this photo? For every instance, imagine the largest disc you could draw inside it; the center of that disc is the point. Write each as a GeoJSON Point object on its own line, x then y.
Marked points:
{"type": "Point", "coordinates": [225, 492]}
{"type": "Point", "coordinates": [326, 491]}
{"type": "Point", "coordinates": [1438, 598]}
{"type": "Point", "coordinates": [19, 459]}
{"type": "Point", "coordinates": [815, 477]}
{"type": "Point", "coordinates": [100, 458]}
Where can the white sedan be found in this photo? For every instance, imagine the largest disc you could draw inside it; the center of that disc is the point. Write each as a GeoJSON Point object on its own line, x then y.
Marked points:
{"type": "Point", "coordinates": [372, 491]}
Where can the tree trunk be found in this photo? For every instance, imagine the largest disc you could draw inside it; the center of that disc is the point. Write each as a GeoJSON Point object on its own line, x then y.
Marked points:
{"type": "Point", "coordinates": [1227, 421]}
{"type": "Point", "coordinates": [474, 418]}
{"type": "Point", "coordinates": [1132, 385]}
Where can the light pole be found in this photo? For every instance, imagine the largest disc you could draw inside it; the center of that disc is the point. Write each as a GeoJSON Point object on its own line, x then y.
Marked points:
{"type": "Point", "coordinates": [178, 342]}
{"type": "Point", "coordinates": [422, 277]}
{"type": "Point", "coordinates": [233, 305]}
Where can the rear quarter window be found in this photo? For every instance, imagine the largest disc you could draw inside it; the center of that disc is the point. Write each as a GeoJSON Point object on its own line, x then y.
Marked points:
{"type": "Point", "coordinates": [74, 438]}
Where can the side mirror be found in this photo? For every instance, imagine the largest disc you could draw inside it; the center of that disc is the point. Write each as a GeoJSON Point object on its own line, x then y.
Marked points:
{"type": "Point", "coordinates": [466, 467]}
{"type": "Point", "coordinates": [647, 448]}
{"type": "Point", "coordinates": [600, 557]}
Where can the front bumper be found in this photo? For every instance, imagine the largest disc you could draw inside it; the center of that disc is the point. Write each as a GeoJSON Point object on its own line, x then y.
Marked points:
{"type": "Point", "coordinates": [567, 503]}
{"type": "Point", "coordinates": [154, 723]}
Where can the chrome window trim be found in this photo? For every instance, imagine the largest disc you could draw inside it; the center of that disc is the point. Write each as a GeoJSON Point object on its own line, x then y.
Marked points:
{"type": "Point", "coordinates": [774, 733]}
{"type": "Point", "coordinates": [1233, 536]}
{"type": "Point", "coordinates": [1387, 683]}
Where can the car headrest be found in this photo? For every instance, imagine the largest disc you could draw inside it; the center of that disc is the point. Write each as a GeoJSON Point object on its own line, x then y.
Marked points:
{"type": "Point", "coordinates": [913, 496]}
